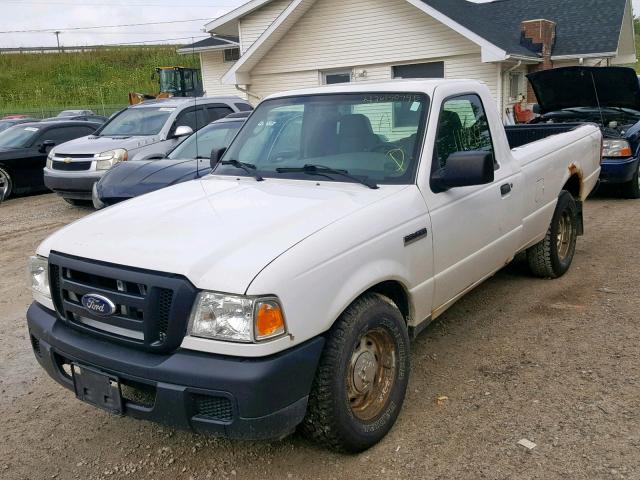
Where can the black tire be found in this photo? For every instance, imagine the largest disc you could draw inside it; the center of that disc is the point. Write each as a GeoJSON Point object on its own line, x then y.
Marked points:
{"type": "Point", "coordinates": [632, 189]}
{"type": "Point", "coordinates": [552, 257]}
{"type": "Point", "coordinates": [333, 419]}
{"type": "Point", "coordinates": [78, 203]}
{"type": "Point", "coordinates": [6, 184]}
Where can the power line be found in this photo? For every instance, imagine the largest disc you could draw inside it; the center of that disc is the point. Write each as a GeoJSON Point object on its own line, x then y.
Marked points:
{"type": "Point", "coordinates": [51, 30]}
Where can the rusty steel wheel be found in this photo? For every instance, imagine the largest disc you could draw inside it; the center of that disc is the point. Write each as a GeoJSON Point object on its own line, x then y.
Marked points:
{"type": "Point", "coordinates": [565, 235]}
{"type": "Point", "coordinates": [362, 377]}
{"type": "Point", "coordinates": [552, 257]}
{"type": "Point", "coordinates": [371, 374]}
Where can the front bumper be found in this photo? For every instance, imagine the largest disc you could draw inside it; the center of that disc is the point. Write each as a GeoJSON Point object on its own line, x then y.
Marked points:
{"type": "Point", "coordinates": [618, 170]}
{"type": "Point", "coordinates": [262, 398]}
{"type": "Point", "coordinates": [76, 185]}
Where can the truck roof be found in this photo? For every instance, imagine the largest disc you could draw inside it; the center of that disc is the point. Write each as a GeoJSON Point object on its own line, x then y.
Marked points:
{"type": "Point", "coordinates": [398, 85]}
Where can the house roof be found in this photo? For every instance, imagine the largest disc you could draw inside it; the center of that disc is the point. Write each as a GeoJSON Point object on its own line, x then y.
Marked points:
{"type": "Point", "coordinates": [582, 26]}
{"type": "Point", "coordinates": [218, 42]}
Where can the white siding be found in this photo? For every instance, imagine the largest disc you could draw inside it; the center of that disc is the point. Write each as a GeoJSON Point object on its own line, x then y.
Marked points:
{"type": "Point", "coordinates": [213, 68]}
{"type": "Point", "coordinates": [254, 24]}
{"type": "Point", "coordinates": [264, 85]}
{"type": "Point", "coordinates": [460, 67]}
{"type": "Point", "coordinates": [343, 33]}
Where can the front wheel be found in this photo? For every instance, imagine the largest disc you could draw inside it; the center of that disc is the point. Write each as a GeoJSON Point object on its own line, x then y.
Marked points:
{"type": "Point", "coordinates": [632, 189]}
{"type": "Point", "coordinates": [362, 378]}
{"type": "Point", "coordinates": [6, 184]}
{"type": "Point", "coordinates": [552, 257]}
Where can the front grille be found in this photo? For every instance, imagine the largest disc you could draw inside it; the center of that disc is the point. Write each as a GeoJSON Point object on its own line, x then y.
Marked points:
{"type": "Point", "coordinates": [73, 155]}
{"type": "Point", "coordinates": [213, 408]}
{"type": "Point", "coordinates": [151, 308]}
{"type": "Point", "coordinates": [71, 166]}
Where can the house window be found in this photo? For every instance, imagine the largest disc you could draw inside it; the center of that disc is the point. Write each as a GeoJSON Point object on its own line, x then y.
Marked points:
{"type": "Point", "coordinates": [419, 70]}
{"type": "Point", "coordinates": [515, 89]}
{"type": "Point", "coordinates": [331, 78]}
{"type": "Point", "coordinates": [232, 55]}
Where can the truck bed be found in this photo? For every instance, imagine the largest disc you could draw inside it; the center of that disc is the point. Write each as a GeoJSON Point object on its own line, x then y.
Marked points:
{"type": "Point", "coordinates": [519, 135]}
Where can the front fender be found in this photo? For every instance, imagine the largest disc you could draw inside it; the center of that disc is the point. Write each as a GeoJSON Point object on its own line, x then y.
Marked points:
{"type": "Point", "coordinates": [320, 277]}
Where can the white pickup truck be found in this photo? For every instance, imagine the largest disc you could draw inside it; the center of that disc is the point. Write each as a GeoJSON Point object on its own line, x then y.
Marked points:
{"type": "Point", "coordinates": [283, 289]}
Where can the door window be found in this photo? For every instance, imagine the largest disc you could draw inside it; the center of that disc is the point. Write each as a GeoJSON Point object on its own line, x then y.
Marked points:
{"type": "Point", "coordinates": [217, 112]}
{"type": "Point", "coordinates": [64, 134]}
{"type": "Point", "coordinates": [193, 117]}
{"type": "Point", "coordinates": [462, 127]}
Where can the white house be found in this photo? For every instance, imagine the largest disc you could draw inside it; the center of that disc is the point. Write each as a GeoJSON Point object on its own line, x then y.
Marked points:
{"type": "Point", "coordinates": [266, 46]}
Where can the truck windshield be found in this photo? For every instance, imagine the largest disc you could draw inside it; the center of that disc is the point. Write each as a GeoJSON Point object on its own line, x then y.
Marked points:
{"type": "Point", "coordinates": [373, 136]}
{"type": "Point", "coordinates": [18, 136]}
{"type": "Point", "coordinates": [137, 121]}
{"type": "Point", "coordinates": [200, 144]}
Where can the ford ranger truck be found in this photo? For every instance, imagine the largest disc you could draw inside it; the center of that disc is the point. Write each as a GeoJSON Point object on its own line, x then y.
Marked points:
{"type": "Point", "coordinates": [282, 290]}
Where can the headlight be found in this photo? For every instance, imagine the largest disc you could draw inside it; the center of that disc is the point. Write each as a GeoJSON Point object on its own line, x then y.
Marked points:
{"type": "Point", "coordinates": [236, 318]}
{"type": "Point", "coordinates": [50, 161]}
{"type": "Point", "coordinates": [39, 280]}
{"type": "Point", "coordinates": [616, 148]}
{"type": "Point", "coordinates": [106, 160]}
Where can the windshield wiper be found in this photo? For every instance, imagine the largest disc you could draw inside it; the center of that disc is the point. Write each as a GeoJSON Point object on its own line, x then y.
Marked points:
{"type": "Point", "coordinates": [247, 167]}
{"type": "Point", "coordinates": [322, 170]}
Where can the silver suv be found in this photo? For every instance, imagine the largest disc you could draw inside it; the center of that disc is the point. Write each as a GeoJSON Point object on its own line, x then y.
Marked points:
{"type": "Point", "coordinates": [149, 128]}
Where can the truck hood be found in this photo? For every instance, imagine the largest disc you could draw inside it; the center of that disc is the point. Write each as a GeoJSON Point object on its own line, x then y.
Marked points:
{"type": "Point", "coordinates": [219, 232]}
{"type": "Point", "coordinates": [572, 87]}
{"type": "Point", "coordinates": [92, 144]}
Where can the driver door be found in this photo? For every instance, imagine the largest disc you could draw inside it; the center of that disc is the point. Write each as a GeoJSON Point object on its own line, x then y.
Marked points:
{"type": "Point", "coordinates": [474, 228]}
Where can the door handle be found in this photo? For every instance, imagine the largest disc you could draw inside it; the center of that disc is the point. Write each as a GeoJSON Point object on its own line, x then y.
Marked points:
{"type": "Point", "coordinates": [506, 189]}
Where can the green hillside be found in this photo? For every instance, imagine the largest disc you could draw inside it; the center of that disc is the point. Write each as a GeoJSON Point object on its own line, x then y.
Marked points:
{"type": "Point", "coordinates": [101, 79]}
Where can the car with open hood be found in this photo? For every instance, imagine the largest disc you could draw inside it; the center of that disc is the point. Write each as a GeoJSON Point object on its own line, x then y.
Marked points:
{"type": "Point", "coordinates": [189, 160]}
{"type": "Point", "coordinates": [284, 288]}
{"type": "Point", "coordinates": [150, 128]}
{"type": "Point", "coordinates": [607, 96]}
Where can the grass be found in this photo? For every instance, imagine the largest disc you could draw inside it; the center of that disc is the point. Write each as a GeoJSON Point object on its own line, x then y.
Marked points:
{"type": "Point", "coordinates": [46, 83]}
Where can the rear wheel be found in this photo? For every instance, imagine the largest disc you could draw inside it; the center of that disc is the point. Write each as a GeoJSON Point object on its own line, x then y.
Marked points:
{"type": "Point", "coordinates": [632, 189]}
{"type": "Point", "coordinates": [362, 378]}
{"type": "Point", "coordinates": [6, 184]}
{"type": "Point", "coordinates": [552, 257]}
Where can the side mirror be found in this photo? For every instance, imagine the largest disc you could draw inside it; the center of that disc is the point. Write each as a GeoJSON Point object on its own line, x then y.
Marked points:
{"type": "Point", "coordinates": [536, 109]}
{"type": "Point", "coordinates": [182, 131]}
{"type": "Point", "coordinates": [216, 155]}
{"type": "Point", "coordinates": [464, 169]}
{"type": "Point", "coordinates": [46, 145]}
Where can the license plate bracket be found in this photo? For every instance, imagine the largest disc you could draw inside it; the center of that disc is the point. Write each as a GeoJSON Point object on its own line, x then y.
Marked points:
{"type": "Point", "coordinates": [97, 388]}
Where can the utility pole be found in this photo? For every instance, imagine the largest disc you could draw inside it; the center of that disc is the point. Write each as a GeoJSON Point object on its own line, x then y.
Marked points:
{"type": "Point", "coordinates": [58, 39]}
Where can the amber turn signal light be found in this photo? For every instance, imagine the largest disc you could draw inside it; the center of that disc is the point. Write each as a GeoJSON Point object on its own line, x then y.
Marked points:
{"type": "Point", "coordinates": [269, 320]}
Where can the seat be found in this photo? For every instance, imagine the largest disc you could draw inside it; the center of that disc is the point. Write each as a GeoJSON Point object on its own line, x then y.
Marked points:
{"type": "Point", "coordinates": [355, 134]}
{"type": "Point", "coordinates": [448, 139]}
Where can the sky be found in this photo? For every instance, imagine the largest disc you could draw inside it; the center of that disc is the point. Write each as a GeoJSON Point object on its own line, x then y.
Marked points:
{"type": "Point", "coordinates": [64, 14]}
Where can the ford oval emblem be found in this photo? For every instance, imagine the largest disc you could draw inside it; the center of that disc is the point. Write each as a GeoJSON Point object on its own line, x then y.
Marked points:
{"type": "Point", "coordinates": [98, 305]}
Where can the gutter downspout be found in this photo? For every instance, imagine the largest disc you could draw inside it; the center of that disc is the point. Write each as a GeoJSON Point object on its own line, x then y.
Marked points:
{"type": "Point", "coordinates": [502, 106]}
{"type": "Point", "coordinates": [248, 93]}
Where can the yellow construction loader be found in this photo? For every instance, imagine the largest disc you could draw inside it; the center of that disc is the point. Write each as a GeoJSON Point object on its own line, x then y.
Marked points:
{"type": "Point", "coordinates": [173, 82]}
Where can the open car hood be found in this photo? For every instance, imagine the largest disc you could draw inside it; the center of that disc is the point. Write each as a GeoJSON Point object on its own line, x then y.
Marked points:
{"type": "Point", "coordinates": [572, 87]}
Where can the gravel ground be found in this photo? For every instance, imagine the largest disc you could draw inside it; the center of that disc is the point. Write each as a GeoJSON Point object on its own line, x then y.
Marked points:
{"type": "Point", "coordinates": [554, 362]}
